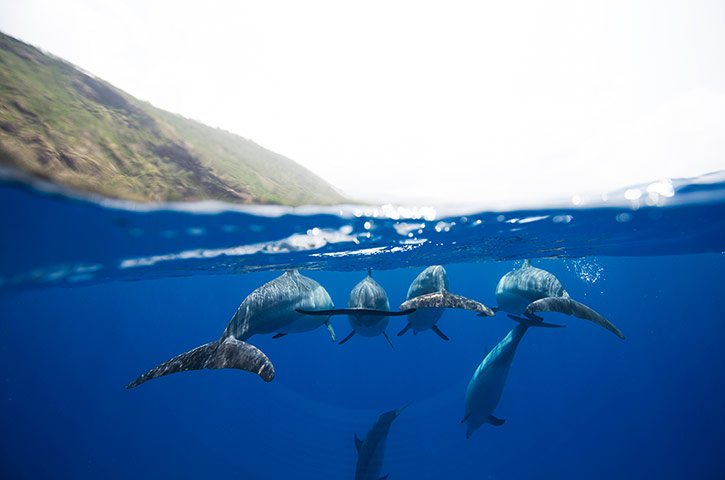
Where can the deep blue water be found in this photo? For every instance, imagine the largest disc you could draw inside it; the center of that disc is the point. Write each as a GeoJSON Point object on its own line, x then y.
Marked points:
{"type": "Point", "coordinates": [92, 295]}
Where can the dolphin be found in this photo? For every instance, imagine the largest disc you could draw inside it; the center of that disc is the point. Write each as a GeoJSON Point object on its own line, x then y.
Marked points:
{"type": "Point", "coordinates": [430, 296]}
{"type": "Point", "coordinates": [367, 309]}
{"type": "Point", "coordinates": [370, 451]}
{"type": "Point", "coordinates": [270, 308]}
{"type": "Point", "coordinates": [528, 290]}
{"type": "Point", "coordinates": [486, 386]}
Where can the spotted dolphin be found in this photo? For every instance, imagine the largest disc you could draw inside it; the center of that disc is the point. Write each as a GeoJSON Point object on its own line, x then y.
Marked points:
{"type": "Point", "coordinates": [486, 385]}
{"type": "Point", "coordinates": [371, 450]}
{"type": "Point", "coordinates": [528, 290]}
{"type": "Point", "coordinates": [367, 309]}
{"type": "Point", "coordinates": [270, 308]}
{"type": "Point", "coordinates": [429, 295]}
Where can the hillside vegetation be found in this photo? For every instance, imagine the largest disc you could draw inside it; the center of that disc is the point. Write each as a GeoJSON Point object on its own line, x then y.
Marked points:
{"type": "Point", "coordinates": [62, 124]}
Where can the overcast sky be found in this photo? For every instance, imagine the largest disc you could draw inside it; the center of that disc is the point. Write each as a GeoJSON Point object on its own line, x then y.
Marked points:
{"type": "Point", "coordinates": [446, 102]}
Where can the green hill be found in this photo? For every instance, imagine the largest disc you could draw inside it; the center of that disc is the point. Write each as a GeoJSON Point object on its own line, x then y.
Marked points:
{"type": "Point", "coordinates": [62, 124]}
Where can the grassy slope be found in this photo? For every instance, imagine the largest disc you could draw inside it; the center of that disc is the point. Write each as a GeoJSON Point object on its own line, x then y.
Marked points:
{"type": "Point", "coordinates": [67, 126]}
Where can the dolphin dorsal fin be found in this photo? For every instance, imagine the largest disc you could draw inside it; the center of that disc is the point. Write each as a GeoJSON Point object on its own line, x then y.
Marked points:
{"type": "Point", "coordinates": [370, 272]}
{"type": "Point", "coordinates": [527, 263]}
{"type": "Point", "coordinates": [358, 444]}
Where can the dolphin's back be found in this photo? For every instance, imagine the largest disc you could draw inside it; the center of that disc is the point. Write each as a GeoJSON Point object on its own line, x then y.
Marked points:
{"type": "Point", "coordinates": [271, 307]}
{"type": "Point", "coordinates": [432, 279]}
{"type": "Point", "coordinates": [527, 284]}
{"type": "Point", "coordinates": [368, 294]}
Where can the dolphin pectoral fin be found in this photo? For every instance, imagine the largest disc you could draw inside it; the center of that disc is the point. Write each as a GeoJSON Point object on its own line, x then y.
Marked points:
{"type": "Point", "coordinates": [439, 333]}
{"type": "Point", "coordinates": [319, 312]}
{"type": "Point", "coordinates": [495, 421]}
{"type": "Point", "coordinates": [330, 329]}
{"type": "Point", "coordinates": [357, 312]}
{"type": "Point", "coordinates": [533, 323]}
{"type": "Point", "coordinates": [358, 443]}
{"type": "Point", "coordinates": [347, 338]}
{"type": "Point", "coordinates": [446, 299]}
{"type": "Point", "coordinates": [407, 327]}
{"type": "Point", "coordinates": [388, 339]}
{"type": "Point", "coordinates": [568, 306]}
{"type": "Point", "coordinates": [372, 312]}
{"type": "Point", "coordinates": [279, 335]}
{"type": "Point", "coordinates": [226, 353]}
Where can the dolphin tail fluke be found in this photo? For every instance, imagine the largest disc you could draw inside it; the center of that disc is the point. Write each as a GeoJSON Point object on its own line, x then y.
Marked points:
{"type": "Point", "coordinates": [407, 327]}
{"type": "Point", "coordinates": [568, 306]}
{"type": "Point", "coordinates": [347, 338]}
{"type": "Point", "coordinates": [533, 323]}
{"type": "Point", "coordinates": [446, 299]}
{"type": "Point", "coordinates": [226, 353]}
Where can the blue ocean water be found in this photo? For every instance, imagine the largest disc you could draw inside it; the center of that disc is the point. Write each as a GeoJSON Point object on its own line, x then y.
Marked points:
{"type": "Point", "coordinates": [93, 293]}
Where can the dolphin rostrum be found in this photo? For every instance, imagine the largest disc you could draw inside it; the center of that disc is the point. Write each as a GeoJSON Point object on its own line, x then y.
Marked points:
{"type": "Point", "coordinates": [370, 451]}
{"type": "Point", "coordinates": [270, 308]}
{"type": "Point", "coordinates": [486, 386]}
{"type": "Point", "coordinates": [367, 309]}
{"type": "Point", "coordinates": [528, 290]}
{"type": "Point", "coordinates": [430, 296]}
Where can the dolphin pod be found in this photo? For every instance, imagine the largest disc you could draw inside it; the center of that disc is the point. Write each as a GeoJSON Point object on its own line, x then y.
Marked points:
{"type": "Point", "coordinates": [270, 308]}
{"type": "Point", "coordinates": [371, 450]}
{"type": "Point", "coordinates": [293, 303]}
{"type": "Point", "coordinates": [367, 309]}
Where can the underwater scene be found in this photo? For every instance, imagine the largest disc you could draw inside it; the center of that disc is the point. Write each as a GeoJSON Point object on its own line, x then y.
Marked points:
{"type": "Point", "coordinates": [575, 340]}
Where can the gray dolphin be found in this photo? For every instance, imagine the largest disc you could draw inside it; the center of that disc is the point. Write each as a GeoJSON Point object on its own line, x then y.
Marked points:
{"type": "Point", "coordinates": [528, 290]}
{"type": "Point", "coordinates": [486, 386]}
{"type": "Point", "coordinates": [429, 295]}
{"type": "Point", "coordinates": [370, 451]}
{"type": "Point", "coordinates": [367, 309]}
{"type": "Point", "coordinates": [269, 308]}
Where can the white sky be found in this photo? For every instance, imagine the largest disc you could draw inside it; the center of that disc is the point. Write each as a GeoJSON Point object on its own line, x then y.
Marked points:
{"type": "Point", "coordinates": [446, 102]}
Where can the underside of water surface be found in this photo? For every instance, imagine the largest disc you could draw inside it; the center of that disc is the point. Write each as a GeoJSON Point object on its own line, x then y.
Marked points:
{"type": "Point", "coordinates": [52, 238]}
